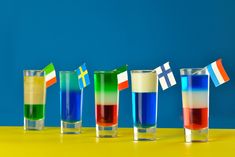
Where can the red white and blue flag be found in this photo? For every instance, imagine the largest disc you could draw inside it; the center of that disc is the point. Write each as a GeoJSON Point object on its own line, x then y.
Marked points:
{"type": "Point", "coordinates": [217, 73]}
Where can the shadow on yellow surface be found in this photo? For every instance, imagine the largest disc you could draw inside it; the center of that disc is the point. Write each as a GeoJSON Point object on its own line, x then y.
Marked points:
{"type": "Point", "coordinates": [14, 141]}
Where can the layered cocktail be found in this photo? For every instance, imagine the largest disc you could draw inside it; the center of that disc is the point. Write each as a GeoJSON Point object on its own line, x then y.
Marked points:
{"type": "Point", "coordinates": [195, 95]}
{"type": "Point", "coordinates": [106, 103]}
{"type": "Point", "coordinates": [71, 100]}
{"type": "Point", "coordinates": [144, 104]}
{"type": "Point", "coordinates": [34, 99]}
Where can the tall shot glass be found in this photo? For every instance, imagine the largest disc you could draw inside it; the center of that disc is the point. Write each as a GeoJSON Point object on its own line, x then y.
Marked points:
{"type": "Point", "coordinates": [106, 103]}
{"type": "Point", "coordinates": [195, 98]}
{"type": "Point", "coordinates": [144, 104]}
{"type": "Point", "coordinates": [71, 101]}
{"type": "Point", "coordinates": [34, 99]}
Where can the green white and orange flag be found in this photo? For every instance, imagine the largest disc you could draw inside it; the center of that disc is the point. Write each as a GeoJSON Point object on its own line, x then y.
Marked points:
{"type": "Point", "coordinates": [50, 75]}
{"type": "Point", "coordinates": [122, 77]}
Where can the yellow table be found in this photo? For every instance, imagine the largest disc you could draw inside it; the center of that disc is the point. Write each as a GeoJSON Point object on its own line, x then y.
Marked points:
{"type": "Point", "coordinates": [14, 141]}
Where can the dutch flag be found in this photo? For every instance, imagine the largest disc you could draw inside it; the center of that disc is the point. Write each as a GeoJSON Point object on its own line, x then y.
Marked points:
{"type": "Point", "coordinates": [217, 73]}
{"type": "Point", "coordinates": [165, 76]}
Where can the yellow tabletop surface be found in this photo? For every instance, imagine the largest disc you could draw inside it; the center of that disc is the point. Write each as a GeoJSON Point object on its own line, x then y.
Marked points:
{"type": "Point", "coordinates": [14, 141]}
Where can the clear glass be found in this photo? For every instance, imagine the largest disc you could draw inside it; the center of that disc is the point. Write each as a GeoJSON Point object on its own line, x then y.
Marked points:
{"type": "Point", "coordinates": [195, 98]}
{"type": "Point", "coordinates": [34, 99]}
{"type": "Point", "coordinates": [106, 103]}
{"type": "Point", "coordinates": [144, 104]}
{"type": "Point", "coordinates": [71, 101]}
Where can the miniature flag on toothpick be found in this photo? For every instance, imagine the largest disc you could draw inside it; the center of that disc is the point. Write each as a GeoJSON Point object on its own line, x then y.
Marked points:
{"type": "Point", "coordinates": [122, 77]}
{"type": "Point", "coordinates": [217, 73]}
{"type": "Point", "coordinates": [165, 76]}
{"type": "Point", "coordinates": [83, 76]}
{"type": "Point", "coordinates": [50, 75]}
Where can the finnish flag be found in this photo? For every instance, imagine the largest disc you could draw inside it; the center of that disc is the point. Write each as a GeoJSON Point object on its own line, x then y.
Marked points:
{"type": "Point", "coordinates": [165, 76]}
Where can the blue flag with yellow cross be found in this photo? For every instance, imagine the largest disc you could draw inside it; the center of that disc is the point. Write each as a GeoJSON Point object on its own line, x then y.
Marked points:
{"type": "Point", "coordinates": [83, 76]}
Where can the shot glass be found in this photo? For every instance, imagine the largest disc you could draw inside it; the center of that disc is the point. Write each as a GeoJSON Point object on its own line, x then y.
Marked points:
{"type": "Point", "coordinates": [195, 98]}
{"type": "Point", "coordinates": [71, 102]}
{"type": "Point", "coordinates": [106, 103]}
{"type": "Point", "coordinates": [34, 99]}
{"type": "Point", "coordinates": [144, 104]}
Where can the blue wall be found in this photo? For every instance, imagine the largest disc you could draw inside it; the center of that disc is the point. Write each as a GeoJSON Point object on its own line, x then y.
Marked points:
{"type": "Point", "coordinates": [108, 33]}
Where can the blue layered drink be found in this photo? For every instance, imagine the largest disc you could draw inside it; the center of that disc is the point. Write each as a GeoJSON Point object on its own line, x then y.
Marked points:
{"type": "Point", "coordinates": [144, 104]}
{"type": "Point", "coordinates": [71, 99]}
{"type": "Point", "coordinates": [195, 96]}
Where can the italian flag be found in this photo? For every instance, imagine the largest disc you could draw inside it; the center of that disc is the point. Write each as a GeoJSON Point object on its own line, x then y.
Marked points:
{"type": "Point", "coordinates": [122, 77]}
{"type": "Point", "coordinates": [50, 75]}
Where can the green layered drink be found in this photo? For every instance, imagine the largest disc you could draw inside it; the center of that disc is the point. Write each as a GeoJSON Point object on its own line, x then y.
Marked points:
{"type": "Point", "coordinates": [106, 101]}
{"type": "Point", "coordinates": [34, 99]}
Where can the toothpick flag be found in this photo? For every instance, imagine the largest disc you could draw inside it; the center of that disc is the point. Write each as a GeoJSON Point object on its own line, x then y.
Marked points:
{"type": "Point", "coordinates": [83, 76]}
{"type": "Point", "coordinates": [122, 77]}
{"type": "Point", "coordinates": [50, 75]}
{"type": "Point", "coordinates": [217, 73]}
{"type": "Point", "coordinates": [165, 76]}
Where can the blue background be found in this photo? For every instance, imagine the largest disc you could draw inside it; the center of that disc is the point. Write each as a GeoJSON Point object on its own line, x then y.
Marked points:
{"type": "Point", "coordinates": [108, 33]}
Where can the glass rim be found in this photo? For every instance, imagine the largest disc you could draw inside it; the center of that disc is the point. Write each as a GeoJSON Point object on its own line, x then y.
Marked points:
{"type": "Point", "coordinates": [33, 70]}
{"type": "Point", "coordinates": [143, 71]}
{"type": "Point", "coordinates": [33, 73]}
{"type": "Point", "coordinates": [194, 71]}
{"type": "Point", "coordinates": [104, 72]}
{"type": "Point", "coordinates": [67, 71]}
{"type": "Point", "coordinates": [192, 68]}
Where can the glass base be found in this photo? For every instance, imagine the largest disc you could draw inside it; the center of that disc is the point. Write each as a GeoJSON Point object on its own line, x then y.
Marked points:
{"type": "Point", "coordinates": [145, 134]}
{"type": "Point", "coordinates": [106, 131]}
{"type": "Point", "coordinates": [196, 135]}
{"type": "Point", "coordinates": [33, 124]}
{"type": "Point", "coordinates": [71, 127]}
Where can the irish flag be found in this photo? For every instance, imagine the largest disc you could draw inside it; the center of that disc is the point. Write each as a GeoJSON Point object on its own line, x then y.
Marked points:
{"type": "Point", "coordinates": [122, 77]}
{"type": "Point", "coordinates": [217, 73]}
{"type": "Point", "coordinates": [50, 75]}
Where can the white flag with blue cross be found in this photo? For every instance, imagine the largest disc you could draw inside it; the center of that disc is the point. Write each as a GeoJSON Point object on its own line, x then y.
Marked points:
{"type": "Point", "coordinates": [165, 76]}
{"type": "Point", "coordinates": [83, 76]}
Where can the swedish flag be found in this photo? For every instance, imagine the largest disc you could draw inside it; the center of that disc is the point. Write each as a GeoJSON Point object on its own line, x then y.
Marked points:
{"type": "Point", "coordinates": [83, 77]}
